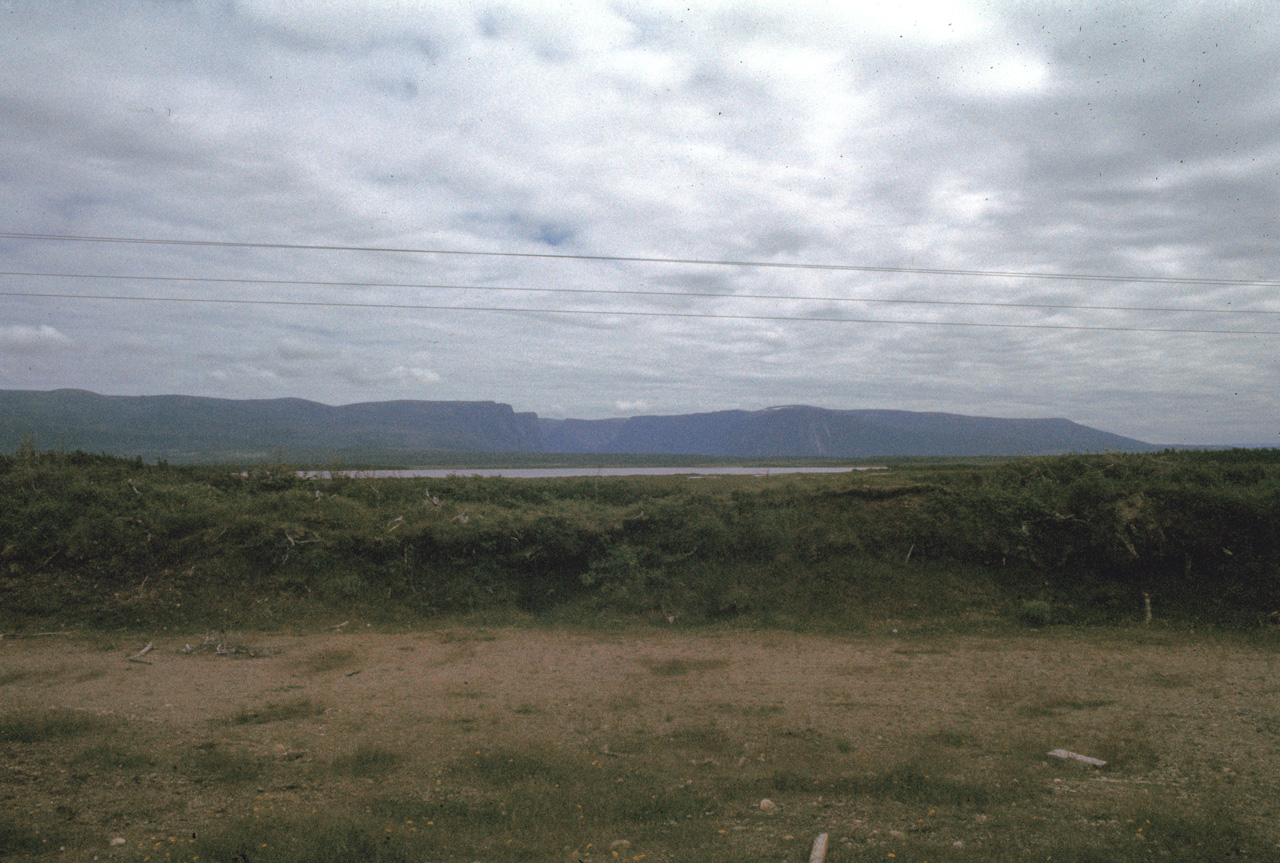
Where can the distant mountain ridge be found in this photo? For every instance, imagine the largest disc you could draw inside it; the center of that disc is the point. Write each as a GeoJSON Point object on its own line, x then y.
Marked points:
{"type": "Point", "coordinates": [799, 430]}
{"type": "Point", "coordinates": [191, 428]}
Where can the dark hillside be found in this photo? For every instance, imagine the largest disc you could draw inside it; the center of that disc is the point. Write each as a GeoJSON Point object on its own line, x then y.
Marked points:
{"type": "Point", "coordinates": [187, 428]}
{"type": "Point", "coordinates": [816, 432]}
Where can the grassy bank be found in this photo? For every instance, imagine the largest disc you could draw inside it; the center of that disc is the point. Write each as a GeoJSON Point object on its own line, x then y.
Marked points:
{"type": "Point", "coordinates": [112, 542]}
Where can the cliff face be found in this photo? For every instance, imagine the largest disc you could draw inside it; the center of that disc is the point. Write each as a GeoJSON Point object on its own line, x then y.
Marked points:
{"type": "Point", "coordinates": [191, 428]}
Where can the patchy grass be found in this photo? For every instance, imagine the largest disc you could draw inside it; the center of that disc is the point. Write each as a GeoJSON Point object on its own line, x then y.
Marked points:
{"type": "Point", "coordinates": [110, 756]}
{"type": "Point", "coordinates": [31, 675]}
{"type": "Point", "coordinates": [45, 726]}
{"type": "Point", "coordinates": [367, 760]}
{"type": "Point", "coordinates": [679, 667]}
{"type": "Point", "coordinates": [16, 837]}
{"type": "Point", "coordinates": [299, 708]}
{"type": "Point", "coordinates": [576, 760]}
{"type": "Point", "coordinates": [217, 764]}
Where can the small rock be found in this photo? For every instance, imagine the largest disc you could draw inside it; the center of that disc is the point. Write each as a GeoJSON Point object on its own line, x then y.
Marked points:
{"type": "Point", "coordinates": [119, 840]}
{"type": "Point", "coordinates": [620, 843]}
{"type": "Point", "coordinates": [957, 844]}
{"type": "Point", "coordinates": [767, 805]}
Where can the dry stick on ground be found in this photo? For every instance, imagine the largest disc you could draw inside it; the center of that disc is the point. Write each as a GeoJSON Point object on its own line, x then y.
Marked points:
{"type": "Point", "coordinates": [137, 657]}
{"type": "Point", "coordinates": [819, 852]}
{"type": "Point", "coordinates": [298, 540]}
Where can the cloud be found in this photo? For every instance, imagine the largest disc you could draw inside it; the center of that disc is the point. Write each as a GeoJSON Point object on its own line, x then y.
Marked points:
{"type": "Point", "coordinates": [29, 339]}
{"type": "Point", "coordinates": [1108, 138]}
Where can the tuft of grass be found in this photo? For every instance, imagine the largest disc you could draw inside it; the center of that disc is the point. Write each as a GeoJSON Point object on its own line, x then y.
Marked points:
{"type": "Point", "coordinates": [755, 711]}
{"type": "Point", "coordinates": [923, 785]}
{"type": "Point", "coordinates": [1131, 748]}
{"type": "Point", "coordinates": [108, 756]}
{"type": "Point", "coordinates": [30, 675]}
{"type": "Point", "coordinates": [329, 659]}
{"type": "Point", "coordinates": [680, 667]}
{"type": "Point", "coordinates": [42, 726]}
{"type": "Point", "coordinates": [1163, 680]}
{"type": "Point", "coordinates": [948, 738]}
{"type": "Point", "coordinates": [332, 839]}
{"type": "Point", "coordinates": [16, 837]}
{"type": "Point", "coordinates": [366, 760]}
{"type": "Point", "coordinates": [1054, 704]}
{"type": "Point", "coordinates": [464, 636]}
{"type": "Point", "coordinates": [299, 708]}
{"type": "Point", "coordinates": [210, 762]}
{"type": "Point", "coordinates": [1035, 613]}
{"type": "Point", "coordinates": [705, 738]}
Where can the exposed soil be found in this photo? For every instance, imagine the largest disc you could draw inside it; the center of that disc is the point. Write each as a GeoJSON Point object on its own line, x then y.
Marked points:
{"type": "Point", "coordinates": [1178, 715]}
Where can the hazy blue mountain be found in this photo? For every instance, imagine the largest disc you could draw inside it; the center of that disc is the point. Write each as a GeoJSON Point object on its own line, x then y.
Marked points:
{"type": "Point", "coordinates": [187, 428]}
{"type": "Point", "coordinates": [808, 431]}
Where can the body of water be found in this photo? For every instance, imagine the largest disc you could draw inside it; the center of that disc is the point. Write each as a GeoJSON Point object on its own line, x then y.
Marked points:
{"type": "Point", "coordinates": [553, 472]}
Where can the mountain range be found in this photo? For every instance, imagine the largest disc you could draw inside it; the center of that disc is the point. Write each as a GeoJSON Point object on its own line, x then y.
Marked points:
{"type": "Point", "coordinates": [195, 429]}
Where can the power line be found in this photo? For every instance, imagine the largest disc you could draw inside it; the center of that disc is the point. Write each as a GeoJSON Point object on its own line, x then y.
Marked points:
{"type": "Point", "coordinates": [640, 293]}
{"type": "Point", "coordinates": [1159, 280]}
{"type": "Point", "coordinates": [608, 313]}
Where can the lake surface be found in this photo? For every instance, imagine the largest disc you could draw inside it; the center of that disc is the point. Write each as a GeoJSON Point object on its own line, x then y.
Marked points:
{"type": "Point", "coordinates": [552, 472]}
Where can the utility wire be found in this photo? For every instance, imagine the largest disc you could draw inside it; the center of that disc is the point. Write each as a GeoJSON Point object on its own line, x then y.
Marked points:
{"type": "Point", "coordinates": [640, 293]}
{"type": "Point", "coordinates": [608, 313]}
{"type": "Point", "coordinates": [11, 235]}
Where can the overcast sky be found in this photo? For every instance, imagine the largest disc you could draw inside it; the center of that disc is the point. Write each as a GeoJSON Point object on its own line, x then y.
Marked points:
{"type": "Point", "coordinates": [1111, 139]}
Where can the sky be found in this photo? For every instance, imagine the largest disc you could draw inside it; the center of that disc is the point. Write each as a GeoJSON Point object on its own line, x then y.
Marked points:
{"type": "Point", "coordinates": [1019, 147]}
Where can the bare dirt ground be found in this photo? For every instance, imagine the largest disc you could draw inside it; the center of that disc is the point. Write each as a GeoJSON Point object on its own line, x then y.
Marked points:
{"type": "Point", "coordinates": [912, 747]}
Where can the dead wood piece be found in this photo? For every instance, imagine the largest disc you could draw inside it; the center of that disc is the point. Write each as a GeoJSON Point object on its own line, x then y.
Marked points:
{"type": "Point", "coordinates": [137, 657]}
{"type": "Point", "coordinates": [819, 852]}
{"type": "Point", "coordinates": [1076, 756]}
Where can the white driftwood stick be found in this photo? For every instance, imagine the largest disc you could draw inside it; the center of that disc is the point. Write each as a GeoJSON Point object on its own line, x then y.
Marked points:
{"type": "Point", "coordinates": [819, 852]}
{"type": "Point", "coordinates": [1076, 756]}
{"type": "Point", "coordinates": [137, 657]}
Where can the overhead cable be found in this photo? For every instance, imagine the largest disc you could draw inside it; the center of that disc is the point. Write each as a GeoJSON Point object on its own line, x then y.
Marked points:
{"type": "Point", "coordinates": [616, 313]}
{"type": "Point", "coordinates": [640, 293]}
{"type": "Point", "coordinates": [1160, 280]}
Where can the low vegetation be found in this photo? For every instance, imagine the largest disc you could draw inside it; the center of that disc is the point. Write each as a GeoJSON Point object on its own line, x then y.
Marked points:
{"type": "Point", "coordinates": [1071, 539]}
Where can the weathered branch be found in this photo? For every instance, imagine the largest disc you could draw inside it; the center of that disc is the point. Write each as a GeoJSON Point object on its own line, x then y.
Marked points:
{"type": "Point", "coordinates": [819, 852]}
